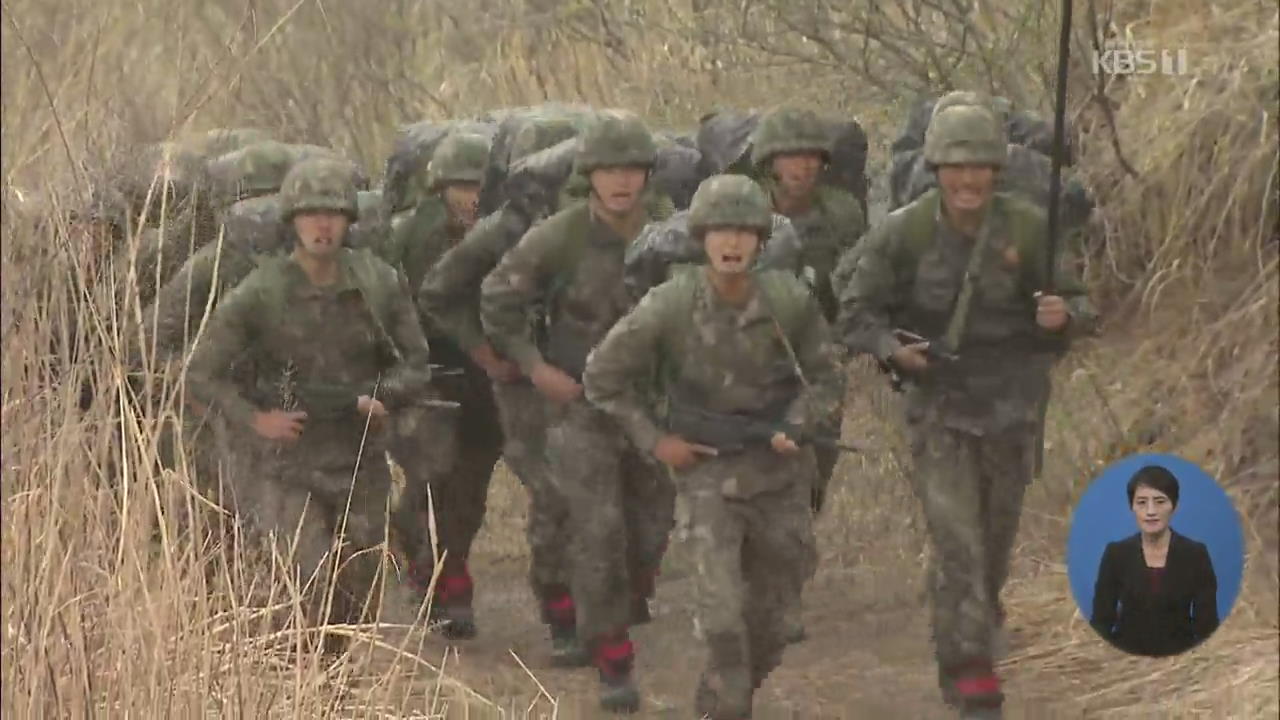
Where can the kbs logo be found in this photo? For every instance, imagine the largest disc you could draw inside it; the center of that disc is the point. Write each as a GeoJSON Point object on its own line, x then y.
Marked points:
{"type": "Point", "coordinates": [1126, 59]}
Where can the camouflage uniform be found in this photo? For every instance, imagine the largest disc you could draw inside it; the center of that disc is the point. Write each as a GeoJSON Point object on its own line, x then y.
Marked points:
{"type": "Point", "coordinates": [316, 349]}
{"type": "Point", "coordinates": [830, 227]}
{"type": "Point", "coordinates": [972, 421]}
{"type": "Point", "coordinates": [1026, 174]}
{"type": "Point", "coordinates": [251, 231]}
{"type": "Point", "coordinates": [170, 200]}
{"type": "Point", "coordinates": [458, 490]}
{"type": "Point", "coordinates": [620, 502]}
{"type": "Point", "coordinates": [450, 297]}
{"type": "Point", "coordinates": [746, 514]}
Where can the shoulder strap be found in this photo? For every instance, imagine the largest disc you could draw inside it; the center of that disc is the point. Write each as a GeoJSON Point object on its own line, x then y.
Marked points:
{"type": "Point", "coordinates": [683, 284]}
{"type": "Point", "coordinates": [569, 255]}
{"type": "Point", "coordinates": [784, 307]}
{"type": "Point", "coordinates": [960, 313]}
{"type": "Point", "coordinates": [918, 223]}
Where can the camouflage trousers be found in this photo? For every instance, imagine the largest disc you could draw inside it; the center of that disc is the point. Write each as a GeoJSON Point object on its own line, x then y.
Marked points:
{"type": "Point", "coordinates": [621, 510]}
{"type": "Point", "coordinates": [448, 458]}
{"type": "Point", "coordinates": [970, 488]}
{"type": "Point", "coordinates": [328, 522]}
{"type": "Point", "coordinates": [524, 428]}
{"type": "Point", "coordinates": [753, 552]}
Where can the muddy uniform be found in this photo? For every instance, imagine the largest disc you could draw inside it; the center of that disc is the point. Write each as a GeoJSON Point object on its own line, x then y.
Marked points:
{"type": "Point", "coordinates": [972, 422]}
{"type": "Point", "coordinates": [470, 438]}
{"type": "Point", "coordinates": [746, 513]}
{"type": "Point", "coordinates": [830, 227]}
{"type": "Point", "coordinates": [450, 296]}
{"type": "Point", "coordinates": [589, 457]}
{"type": "Point", "coordinates": [316, 349]}
{"type": "Point", "coordinates": [620, 501]}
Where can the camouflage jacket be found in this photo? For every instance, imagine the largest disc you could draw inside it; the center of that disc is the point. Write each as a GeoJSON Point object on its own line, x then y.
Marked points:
{"type": "Point", "coordinates": [717, 357]}
{"type": "Point", "coordinates": [418, 242]}
{"type": "Point", "coordinates": [831, 227]}
{"type": "Point", "coordinates": [250, 233]}
{"type": "Point", "coordinates": [450, 292]}
{"type": "Point", "coordinates": [161, 253]}
{"type": "Point", "coordinates": [415, 248]}
{"type": "Point", "coordinates": [908, 274]}
{"type": "Point", "coordinates": [315, 349]}
{"type": "Point", "coordinates": [572, 265]}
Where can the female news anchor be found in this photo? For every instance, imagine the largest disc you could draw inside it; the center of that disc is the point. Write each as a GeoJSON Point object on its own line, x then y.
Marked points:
{"type": "Point", "coordinates": [1156, 592]}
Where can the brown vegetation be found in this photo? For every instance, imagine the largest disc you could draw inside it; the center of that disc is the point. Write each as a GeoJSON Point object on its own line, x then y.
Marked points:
{"type": "Point", "coordinates": [116, 603]}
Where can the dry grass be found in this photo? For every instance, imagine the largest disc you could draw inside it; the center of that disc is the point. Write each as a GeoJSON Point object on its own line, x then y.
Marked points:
{"type": "Point", "coordinates": [118, 597]}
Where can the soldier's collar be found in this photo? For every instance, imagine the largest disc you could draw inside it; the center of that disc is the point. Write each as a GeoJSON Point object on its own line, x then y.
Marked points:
{"type": "Point", "coordinates": [940, 217]}
{"type": "Point", "coordinates": [752, 311]}
{"type": "Point", "coordinates": [298, 282]}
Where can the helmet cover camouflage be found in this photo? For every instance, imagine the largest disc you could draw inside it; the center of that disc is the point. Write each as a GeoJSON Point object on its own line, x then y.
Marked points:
{"type": "Point", "coordinates": [460, 158]}
{"type": "Point", "coordinates": [319, 184]}
{"type": "Point", "coordinates": [999, 106]}
{"type": "Point", "coordinates": [965, 135]}
{"type": "Point", "coordinates": [730, 201]}
{"type": "Point", "coordinates": [304, 151]}
{"type": "Point", "coordinates": [615, 138]}
{"type": "Point", "coordinates": [541, 134]}
{"type": "Point", "coordinates": [257, 169]}
{"type": "Point", "coordinates": [790, 130]}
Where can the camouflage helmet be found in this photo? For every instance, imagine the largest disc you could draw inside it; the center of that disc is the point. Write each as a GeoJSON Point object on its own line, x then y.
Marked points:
{"type": "Point", "coordinates": [999, 106]}
{"type": "Point", "coordinates": [304, 151]}
{"type": "Point", "coordinates": [790, 130]}
{"type": "Point", "coordinates": [540, 134]}
{"type": "Point", "coordinates": [319, 184]}
{"type": "Point", "coordinates": [965, 135]}
{"type": "Point", "coordinates": [254, 170]}
{"type": "Point", "coordinates": [615, 138]}
{"type": "Point", "coordinates": [460, 158]}
{"type": "Point", "coordinates": [730, 201]}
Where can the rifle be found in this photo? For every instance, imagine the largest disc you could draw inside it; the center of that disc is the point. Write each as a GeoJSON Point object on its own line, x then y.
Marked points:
{"type": "Point", "coordinates": [731, 433]}
{"type": "Point", "coordinates": [337, 401]}
{"type": "Point", "coordinates": [936, 352]}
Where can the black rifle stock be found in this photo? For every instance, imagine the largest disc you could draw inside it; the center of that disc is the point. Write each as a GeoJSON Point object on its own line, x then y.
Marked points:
{"type": "Point", "coordinates": [731, 433]}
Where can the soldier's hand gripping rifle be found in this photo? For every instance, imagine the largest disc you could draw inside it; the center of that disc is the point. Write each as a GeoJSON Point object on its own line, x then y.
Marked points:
{"type": "Point", "coordinates": [934, 350]}
{"type": "Point", "coordinates": [339, 401]}
{"type": "Point", "coordinates": [729, 433]}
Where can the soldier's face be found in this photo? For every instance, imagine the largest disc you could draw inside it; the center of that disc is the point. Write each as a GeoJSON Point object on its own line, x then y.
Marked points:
{"type": "Point", "coordinates": [966, 188]}
{"type": "Point", "coordinates": [463, 200]}
{"type": "Point", "coordinates": [797, 173]}
{"type": "Point", "coordinates": [1152, 509]}
{"type": "Point", "coordinates": [730, 250]}
{"type": "Point", "coordinates": [321, 231]}
{"type": "Point", "coordinates": [619, 188]}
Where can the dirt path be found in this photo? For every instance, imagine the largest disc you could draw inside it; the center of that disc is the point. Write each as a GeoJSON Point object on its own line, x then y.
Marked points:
{"type": "Point", "coordinates": [868, 654]}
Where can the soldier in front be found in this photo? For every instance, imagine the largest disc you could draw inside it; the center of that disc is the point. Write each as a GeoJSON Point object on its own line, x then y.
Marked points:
{"type": "Point", "coordinates": [334, 346]}
{"type": "Point", "coordinates": [747, 373]}
{"type": "Point", "coordinates": [966, 269]}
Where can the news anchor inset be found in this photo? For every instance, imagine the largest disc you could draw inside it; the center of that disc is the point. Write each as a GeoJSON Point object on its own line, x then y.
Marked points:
{"type": "Point", "coordinates": [1156, 591]}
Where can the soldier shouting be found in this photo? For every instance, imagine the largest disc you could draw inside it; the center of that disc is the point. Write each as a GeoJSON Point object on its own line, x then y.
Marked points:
{"type": "Point", "coordinates": [732, 346]}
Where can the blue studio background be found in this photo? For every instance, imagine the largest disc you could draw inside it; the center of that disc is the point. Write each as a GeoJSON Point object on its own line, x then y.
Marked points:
{"type": "Point", "coordinates": [1204, 514]}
